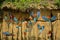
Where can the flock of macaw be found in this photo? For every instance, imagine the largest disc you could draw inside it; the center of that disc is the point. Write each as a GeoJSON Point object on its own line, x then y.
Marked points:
{"type": "Point", "coordinates": [30, 23]}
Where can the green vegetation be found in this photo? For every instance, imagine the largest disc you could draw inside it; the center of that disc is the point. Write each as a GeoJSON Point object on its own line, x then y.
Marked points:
{"type": "Point", "coordinates": [24, 4]}
{"type": "Point", "coordinates": [58, 3]}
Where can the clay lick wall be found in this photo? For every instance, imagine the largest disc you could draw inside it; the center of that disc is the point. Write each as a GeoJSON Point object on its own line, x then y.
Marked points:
{"type": "Point", "coordinates": [35, 31]}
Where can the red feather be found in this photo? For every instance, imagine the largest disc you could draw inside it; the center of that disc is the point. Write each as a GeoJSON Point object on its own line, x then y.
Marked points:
{"type": "Point", "coordinates": [49, 32]}
{"type": "Point", "coordinates": [25, 33]}
{"type": "Point", "coordinates": [49, 17]}
{"type": "Point", "coordinates": [11, 16]}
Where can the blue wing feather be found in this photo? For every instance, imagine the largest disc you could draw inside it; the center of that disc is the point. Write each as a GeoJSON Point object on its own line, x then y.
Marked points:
{"type": "Point", "coordinates": [38, 14]}
{"type": "Point", "coordinates": [40, 30]}
{"type": "Point", "coordinates": [53, 18]}
{"type": "Point", "coordinates": [6, 33]}
{"type": "Point", "coordinates": [35, 19]}
{"type": "Point", "coordinates": [38, 26]}
{"type": "Point", "coordinates": [6, 18]}
{"type": "Point", "coordinates": [45, 19]}
{"type": "Point", "coordinates": [42, 27]}
{"type": "Point", "coordinates": [31, 13]}
{"type": "Point", "coordinates": [30, 23]}
{"type": "Point", "coordinates": [18, 27]}
{"type": "Point", "coordinates": [15, 19]}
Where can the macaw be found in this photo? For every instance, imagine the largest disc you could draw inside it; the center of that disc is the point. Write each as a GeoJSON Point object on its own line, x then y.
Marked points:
{"type": "Point", "coordinates": [30, 23]}
{"type": "Point", "coordinates": [35, 19]}
{"type": "Point", "coordinates": [40, 28]}
{"type": "Point", "coordinates": [52, 19]}
{"type": "Point", "coordinates": [18, 26]}
{"type": "Point", "coordinates": [38, 14]}
{"type": "Point", "coordinates": [6, 18]}
{"type": "Point", "coordinates": [15, 19]}
{"type": "Point", "coordinates": [8, 34]}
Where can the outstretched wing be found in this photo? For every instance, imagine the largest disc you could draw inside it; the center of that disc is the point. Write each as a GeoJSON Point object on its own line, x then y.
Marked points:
{"type": "Point", "coordinates": [6, 33]}
{"type": "Point", "coordinates": [31, 13]}
{"type": "Point", "coordinates": [53, 18]}
{"type": "Point", "coordinates": [18, 27]}
{"type": "Point", "coordinates": [38, 14]}
{"type": "Point", "coordinates": [15, 19]}
{"type": "Point", "coordinates": [40, 31]}
{"type": "Point", "coordinates": [45, 19]}
{"type": "Point", "coordinates": [35, 19]}
{"type": "Point", "coordinates": [42, 27]}
{"type": "Point", "coordinates": [38, 26]}
{"type": "Point", "coordinates": [30, 23]}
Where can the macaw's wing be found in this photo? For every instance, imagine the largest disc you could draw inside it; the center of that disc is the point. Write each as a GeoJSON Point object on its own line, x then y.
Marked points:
{"type": "Point", "coordinates": [6, 18]}
{"type": "Point", "coordinates": [40, 31]}
{"type": "Point", "coordinates": [26, 30]}
{"type": "Point", "coordinates": [53, 18]}
{"type": "Point", "coordinates": [45, 18]}
{"type": "Point", "coordinates": [15, 19]}
{"type": "Point", "coordinates": [42, 27]}
{"type": "Point", "coordinates": [6, 33]}
{"type": "Point", "coordinates": [38, 14]}
{"type": "Point", "coordinates": [35, 19]}
{"type": "Point", "coordinates": [30, 23]}
{"type": "Point", "coordinates": [31, 13]}
{"type": "Point", "coordinates": [38, 26]}
{"type": "Point", "coordinates": [18, 27]}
